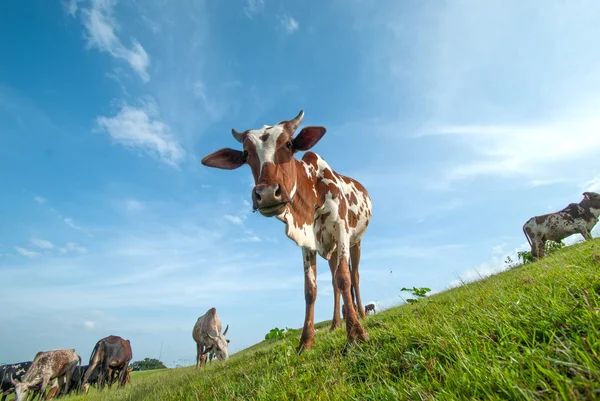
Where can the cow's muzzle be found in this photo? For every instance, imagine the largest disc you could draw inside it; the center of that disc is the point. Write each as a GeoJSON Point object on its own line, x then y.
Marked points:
{"type": "Point", "coordinates": [269, 200]}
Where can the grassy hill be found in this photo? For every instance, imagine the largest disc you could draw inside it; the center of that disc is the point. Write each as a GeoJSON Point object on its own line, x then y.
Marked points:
{"type": "Point", "coordinates": [532, 332]}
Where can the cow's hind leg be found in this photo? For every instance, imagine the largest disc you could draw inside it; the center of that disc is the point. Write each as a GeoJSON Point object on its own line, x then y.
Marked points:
{"type": "Point", "coordinates": [309, 258]}
{"type": "Point", "coordinates": [354, 329]}
{"type": "Point", "coordinates": [336, 323]}
{"type": "Point", "coordinates": [199, 349]}
{"type": "Point", "coordinates": [354, 260]}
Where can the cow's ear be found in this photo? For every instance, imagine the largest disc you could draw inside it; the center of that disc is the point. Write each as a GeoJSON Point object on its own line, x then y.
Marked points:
{"type": "Point", "coordinates": [586, 195]}
{"type": "Point", "coordinates": [226, 159]}
{"type": "Point", "coordinates": [308, 137]}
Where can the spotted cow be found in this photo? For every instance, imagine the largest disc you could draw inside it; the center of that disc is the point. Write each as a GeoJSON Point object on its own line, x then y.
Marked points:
{"type": "Point", "coordinates": [47, 365]}
{"type": "Point", "coordinates": [324, 212]}
{"type": "Point", "coordinates": [575, 218]}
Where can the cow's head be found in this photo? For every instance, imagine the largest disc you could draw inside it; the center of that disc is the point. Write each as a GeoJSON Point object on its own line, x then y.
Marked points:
{"type": "Point", "coordinates": [219, 345]}
{"type": "Point", "coordinates": [592, 199]}
{"type": "Point", "coordinates": [269, 151]}
{"type": "Point", "coordinates": [22, 388]}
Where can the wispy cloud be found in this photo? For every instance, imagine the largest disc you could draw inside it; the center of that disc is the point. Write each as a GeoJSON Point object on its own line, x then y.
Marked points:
{"type": "Point", "coordinates": [522, 150]}
{"type": "Point", "coordinates": [234, 219]}
{"type": "Point", "coordinates": [71, 6]}
{"type": "Point", "coordinates": [592, 185]}
{"type": "Point", "coordinates": [72, 247]}
{"type": "Point", "coordinates": [71, 223]}
{"type": "Point", "coordinates": [42, 243]}
{"type": "Point", "coordinates": [254, 7]}
{"type": "Point", "coordinates": [288, 23]}
{"type": "Point", "coordinates": [40, 200]}
{"type": "Point", "coordinates": [141, 129]}
{"type": "Point", "coordinates": [102, 28]}
{"type": "Point", "coordinates": [27, 252]}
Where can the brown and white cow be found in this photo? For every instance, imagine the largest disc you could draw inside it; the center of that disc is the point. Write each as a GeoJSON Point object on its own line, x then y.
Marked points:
{"type": "Point", "coordinates": [206, 334]}
{"type": "Point", "coordinates": [47, 365]}
{"type": "Point", "coordinates": [324, 212]}
{"type": "Point", "coordinates": [576, 218]}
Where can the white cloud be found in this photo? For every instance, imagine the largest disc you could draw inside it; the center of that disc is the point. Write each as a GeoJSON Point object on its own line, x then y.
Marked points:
{"type": "Point", "coordinates": [69, 221]}
{"type": "Point", "coordinates": [496, 264]}
{"type": "Point", "coordinates": [288, 23]}
{"type": "Point", "coordinates": [592, 185]}
{"type": "Point", "coordinates": [89, 324]}
{"type": "Point", "coordinates": [42, 243]}
{"type": "Point", "coordinates": [40, 200]}
{"type": "Point", "coordinates": [531, 151]}
{"type": "Point", "coordinates": [71, 6]}
{"type": "Point", "coordinates": [133, 205]}
{"type": "Point", "coordinates": [73, 247]}
{"type": "Point", "coordinates": [27, 252]}
{"type": "Point", "coordinates": [254, 7]}
{"type": "Point", "coordinates": [140, 128]}
{"type": "Point", "coordinates": [101, 29]}
{"type": "Point", "coordinates": [234, 219]}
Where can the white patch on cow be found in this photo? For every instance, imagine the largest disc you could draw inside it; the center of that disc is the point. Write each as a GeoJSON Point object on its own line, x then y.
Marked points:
{"type": "Point", "coordinates": [303, 236]}
{"type": "Point", "coordinates": [265, 150]}
{"type": "Point", "coordinates": [293, 191]}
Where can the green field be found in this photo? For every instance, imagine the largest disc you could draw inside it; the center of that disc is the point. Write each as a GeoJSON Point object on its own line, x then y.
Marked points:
{"type": "Point", "coordinates": [532, 332]}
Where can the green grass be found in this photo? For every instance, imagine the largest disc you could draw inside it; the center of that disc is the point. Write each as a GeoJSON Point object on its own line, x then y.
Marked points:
{"type": "Point", "coordinates": [531, 333]}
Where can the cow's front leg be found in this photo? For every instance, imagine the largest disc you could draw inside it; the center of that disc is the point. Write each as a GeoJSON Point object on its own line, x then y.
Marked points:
{"type": "Point", "coordinates": [587, 235]}
{"type": "Point", "coordinates": [354, 329]}
{"type": "Point", "coordinates": [336, 323]}
{"type": "Point", "coordinates": [309, 259]}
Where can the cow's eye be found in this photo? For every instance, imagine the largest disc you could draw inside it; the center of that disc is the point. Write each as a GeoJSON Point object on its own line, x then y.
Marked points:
{"type": "Point", "coordinates": [289, 145]}
{"type": "Point", "coordinates": [245, 154]}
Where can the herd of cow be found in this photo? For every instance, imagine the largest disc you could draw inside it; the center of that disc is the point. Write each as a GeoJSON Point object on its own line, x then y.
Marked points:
{"type": "Point", "coordinates": [324, 212]}
{"type": "Point", "coordinates": [109, 359]}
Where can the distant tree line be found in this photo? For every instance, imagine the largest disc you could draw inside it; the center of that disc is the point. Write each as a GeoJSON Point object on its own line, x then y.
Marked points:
{"type": "Point", "coordinates": [147, 364]}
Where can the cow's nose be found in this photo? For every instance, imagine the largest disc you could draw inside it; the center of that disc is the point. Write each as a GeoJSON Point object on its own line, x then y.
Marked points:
{"type": "Point", "coordinates": [268, 195]}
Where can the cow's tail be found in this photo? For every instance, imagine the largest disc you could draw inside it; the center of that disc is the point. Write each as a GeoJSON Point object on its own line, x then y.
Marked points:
{"type": "Point", "coordinates": [79, 357]}
{"type": "Point", "coordinates": [527, 235]}
{"type": "Point", "coordinates": [94, 352]}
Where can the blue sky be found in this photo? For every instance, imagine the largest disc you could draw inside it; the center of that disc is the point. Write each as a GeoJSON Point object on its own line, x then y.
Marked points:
{"type": "Point", "coordinates": [462, 119]}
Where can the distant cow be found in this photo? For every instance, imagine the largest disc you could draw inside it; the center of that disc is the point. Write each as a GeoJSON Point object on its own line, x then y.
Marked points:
{"type": "Point", "coordinates": [208, 340]}
{"type": "Point", "coordinates": [576, 218]}
{"type": "Point", "coordinates": [369, 308]}
{"type": "Point", "coordinates": [55, 364]}
{"type": "Point", "coordinates": [324, 212]}
{"type": "Point", "coordinates": [112, 353]}
{"type": "Point", "coordinates": [17, 371]}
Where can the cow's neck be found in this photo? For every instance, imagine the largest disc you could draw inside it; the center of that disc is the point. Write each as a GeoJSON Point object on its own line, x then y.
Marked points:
{"type": "Point", "coordinates": [300, 213]}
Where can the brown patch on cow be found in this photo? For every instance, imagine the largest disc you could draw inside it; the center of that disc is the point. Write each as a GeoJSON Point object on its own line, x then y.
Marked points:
{"type": "Point", "coordinates": [541, 219]}
{"type": "Point", "coordinates": [352, 219]}
{"type": "Point", "coordinates": [328, 175]}
{"type": "Point", "coordinates": [352, 199]}
{"type": "Point", "coordinates": [343, 212]}
{"type": "Point", "coordinates": [311, 159]}
{"type": "Point", "coordinates": [264, 137]}
{"type": "Point", "coordinates": [346, 179]}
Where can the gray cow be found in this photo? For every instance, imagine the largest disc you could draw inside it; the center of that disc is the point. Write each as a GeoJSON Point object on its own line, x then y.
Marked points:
{"type": "Point", "coordinates": [576, 218]}
{"type": "Point", "coordinates": [208, 340]}
{"type": "Point", "coordinates": [55, 364]}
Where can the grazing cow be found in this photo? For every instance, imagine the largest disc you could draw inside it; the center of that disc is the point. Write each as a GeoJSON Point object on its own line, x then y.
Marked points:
{"type": "Point", "coordinates": [55, 364]}
{"type": "Point", "coordinates": [369, 307]}
{"type": "Point", "coordinates": [77, 378]}
{"type": "Point", "coordinates": [208, 340]}
{"type": "Point", "coordinates": [324, 212]}
{"type": "Point", "coordinates": [576, 218]}
{"type": "Point", "coordinates": [17, 370]}
{"type": "Point", "coordinates": [112, 353]}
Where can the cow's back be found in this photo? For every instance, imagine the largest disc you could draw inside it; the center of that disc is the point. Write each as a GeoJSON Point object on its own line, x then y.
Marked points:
{"type": "Point", "coordinates": [209, 323]}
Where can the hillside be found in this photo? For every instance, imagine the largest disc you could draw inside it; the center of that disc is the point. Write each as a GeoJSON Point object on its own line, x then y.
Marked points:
{"type": "Point", "coordinates": [532, 332]}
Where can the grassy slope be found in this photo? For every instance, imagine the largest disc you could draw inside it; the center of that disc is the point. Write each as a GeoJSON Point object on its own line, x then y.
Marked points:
{"type": "Point", "coordinates": [529, 333]}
